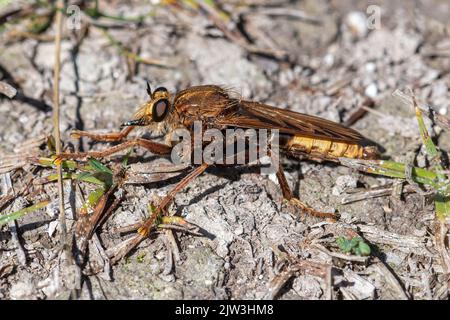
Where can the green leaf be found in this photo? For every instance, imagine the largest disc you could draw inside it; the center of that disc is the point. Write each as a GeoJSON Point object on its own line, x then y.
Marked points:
{"type": "Point", "coordinates": [50, 162]}
{"type": "Point", "coordinates": [344, 244]}
{"type": "Point", "coordinates": [126, 158]}
{"type": "Point", "coordinates": [364, 248]}
{"type": "Point", "coordinates": [92, 200]}
{"type": "Point", "coordinates": [99, 178]}
{"type": "Point", "coordinates": [98, 166]}
{"type": "Point", "coordinates": [442, 205]}
{"type": "Point", "coordinates": [354, 242]}
{"type": "Point", "coordinates": [20, 213]}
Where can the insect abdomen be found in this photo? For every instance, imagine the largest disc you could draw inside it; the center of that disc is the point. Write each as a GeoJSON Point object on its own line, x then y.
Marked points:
{"type": "Point", "coordinates": [326, 148]}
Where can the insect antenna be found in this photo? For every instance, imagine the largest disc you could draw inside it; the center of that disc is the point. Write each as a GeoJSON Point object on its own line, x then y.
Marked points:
{"type": "Point", "coordinates": [137, 122]}
{"type": "Point", "coordinates": [149, 89]}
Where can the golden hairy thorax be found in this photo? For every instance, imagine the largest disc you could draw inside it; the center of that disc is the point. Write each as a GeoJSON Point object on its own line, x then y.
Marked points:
{"type": "Point", "coordinates": [202, 102]}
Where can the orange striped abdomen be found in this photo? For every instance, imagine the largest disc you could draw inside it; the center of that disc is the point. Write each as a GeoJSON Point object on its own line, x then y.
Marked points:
{"type": "Point", "coordinates": [330, 149]}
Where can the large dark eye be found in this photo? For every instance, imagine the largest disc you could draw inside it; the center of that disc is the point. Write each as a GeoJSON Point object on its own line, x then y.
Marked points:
{"type": "Point", "coordinates": [160, 110]}
{"type": "Point", "coordinates": [159, 89]}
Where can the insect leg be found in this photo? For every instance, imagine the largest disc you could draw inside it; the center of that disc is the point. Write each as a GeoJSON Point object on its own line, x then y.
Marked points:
{"type": "Point", "coordinates": [154, 147]}
{"type": "Point", "coordinates": [288, 195]}
{"type": "Point", "coordinates": [113, 136]}
{"type": "Point", "coordinates": [145, 228]}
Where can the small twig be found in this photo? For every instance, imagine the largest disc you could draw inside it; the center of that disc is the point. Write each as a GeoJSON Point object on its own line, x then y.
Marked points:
{"type": "Point", "coordinates": [290, 13]}
{"type": "Point", "coordinates": [126, 229]}
{"type": "Point", "coordinates": [235, 37]}
{"type": "Point", "coordinates": [56, 111]}
{"type": "Point", "coordinates": [390, 278]}
{"type": "Point", "coordinates": [20, 35]}
{"type": "Point", "coordinates": [375, 112]}
{"type": "Point", "coordinates": [13, 227]}
{"type": "Point", "coordinates": [440, 242]}
{"type": "Point", "coordinates": [292, 266]}
{"type": "Point", "coordinates": [68, 259]}
{"type": "Point", "coordinates": [377, 235]}
{"type": "Point", "coordinates": [329, 283]}
{"type": "Point", "coordinates": [127, 53]}
{"type": "Point", "coordinates": [335, 86]}
{"type": "Point", "coordinates": [122, 249]}
{"type": "Point", "coordinates": [359, 113]}
{"type": "Point", "coordinates": [339, 255]}
{"type": "Point", "coordinates": [441, 120]}
{"type": "Point", "coordinates": [278, 283]}
{"type": "Point", "coordinates": [103, 255]}
{"type": "Point", "coordinates": [169, 255]}
{"type": "Point", "coordinates": [373, 193]}
{"type": "Point", "coordinates": [175, 250]}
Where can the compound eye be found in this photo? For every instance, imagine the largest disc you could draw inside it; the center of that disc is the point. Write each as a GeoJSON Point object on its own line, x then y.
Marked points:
{"type": "Point", "coordinates": [159, 89]}
{"type": "Point", "coordinates": [160, 110]}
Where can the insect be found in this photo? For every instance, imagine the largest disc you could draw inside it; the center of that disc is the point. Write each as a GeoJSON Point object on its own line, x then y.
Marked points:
{"type": "Point", "coordinates": [301, 135]}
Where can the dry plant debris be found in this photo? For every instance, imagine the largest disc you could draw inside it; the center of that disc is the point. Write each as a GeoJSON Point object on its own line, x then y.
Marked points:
{"type": "Point", "coordinates": [227, 235]}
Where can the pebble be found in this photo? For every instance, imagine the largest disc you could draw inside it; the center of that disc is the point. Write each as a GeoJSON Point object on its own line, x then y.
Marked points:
{"type": "Point", "coordinates": [356, 21]}
{"type": "Point", "coordinates": [370, 67]}
{"type": "Point", "coordinates": [52, 227]}
{"type": "Point", "coordinates": [328, 60]}
{"type": "Point", "coordinates": [371, 90]}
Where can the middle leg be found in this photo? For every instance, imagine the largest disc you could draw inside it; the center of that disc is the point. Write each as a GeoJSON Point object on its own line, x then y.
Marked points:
{"type": "Point", "coordinates": [145, 228]}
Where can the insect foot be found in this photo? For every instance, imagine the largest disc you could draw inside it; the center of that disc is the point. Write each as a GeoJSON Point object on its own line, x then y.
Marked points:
{"type": "Point", "coordinates": [308, 210]}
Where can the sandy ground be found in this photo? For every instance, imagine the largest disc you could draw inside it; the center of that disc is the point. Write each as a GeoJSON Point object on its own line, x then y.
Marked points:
{"type": "Point", "coordinates": [256, 246]}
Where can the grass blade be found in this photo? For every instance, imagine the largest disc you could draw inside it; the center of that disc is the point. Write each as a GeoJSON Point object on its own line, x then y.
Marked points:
{"type": "Point", "coordinates": [4, 219]}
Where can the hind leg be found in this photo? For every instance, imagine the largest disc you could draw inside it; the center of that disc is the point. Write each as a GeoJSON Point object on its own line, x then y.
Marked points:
{"type": "Point", "coordinates": [297, 203]}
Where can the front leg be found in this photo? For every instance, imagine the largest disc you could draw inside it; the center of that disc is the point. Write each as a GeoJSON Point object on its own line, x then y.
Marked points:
{"type": "Point", "coordinates": [288, 195]}
{"type": "Point", "coordinates": [148, 224]}
{"type": "Point", "coordinates": [107, 137]}
{"type": "Point", "coordinates": [154, 147]}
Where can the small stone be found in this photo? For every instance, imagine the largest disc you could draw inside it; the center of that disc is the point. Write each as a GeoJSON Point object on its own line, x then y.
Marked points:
{"type": "Point", "coordinates": [52, 228]}
{"type": "Point", "coordinates": [21, 290]}
{"type": "Point", "coordinates": [239, 230]}
{"type": "Point", "coordinates": [370, 67]}
{"type": "Point", "coordinates": [328, 60]}
{"type": "Point", "coordinates": [356, 21]}
{"type": "Point", "coordinates": [208, 282]}
{"type": "Point", "coordinates": [343, 183]}
{"type": "Point", "coordinates": [371, 90]}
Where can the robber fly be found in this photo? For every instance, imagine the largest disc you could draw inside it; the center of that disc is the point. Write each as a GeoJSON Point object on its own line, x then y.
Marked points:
{"type": "Point", "coordinates": [301, 135]}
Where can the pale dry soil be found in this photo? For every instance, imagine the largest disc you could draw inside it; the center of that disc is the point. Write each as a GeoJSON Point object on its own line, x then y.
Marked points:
{"type": "Point", "coordinates": [247, 223]}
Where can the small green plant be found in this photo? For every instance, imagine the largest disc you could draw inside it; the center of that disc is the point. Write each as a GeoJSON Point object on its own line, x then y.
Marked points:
{"type": "Point", "coordinates": [140, 257]}
{"type": "Point", "coordinates": [356, 245]}
{"type": "Point", "coordinates": [95, 173]}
